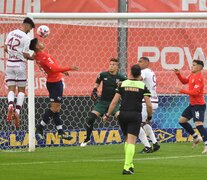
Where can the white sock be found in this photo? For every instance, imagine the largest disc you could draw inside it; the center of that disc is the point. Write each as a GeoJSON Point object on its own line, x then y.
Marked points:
{"type": "Point", "coordinates": [20, 100]}
{"type": "Point", "coordinates": [59, 127]}
{"type": "Point", "coordinates": [10, 97]}
{"type": "Point", "coordinates": [43, 123]}
{"type": "Point", "coordinates": [143, 137]}
{"type": "Point", "coordinates": [149, 131]}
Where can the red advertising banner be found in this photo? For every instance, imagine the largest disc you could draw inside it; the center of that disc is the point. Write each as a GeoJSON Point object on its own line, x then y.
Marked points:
{"type": "Point", "coordinates": [167, 6]}
{"type": "Point", "coordinates": [25, 6]}
{"type": "Point", "coordinates": [91, 47]}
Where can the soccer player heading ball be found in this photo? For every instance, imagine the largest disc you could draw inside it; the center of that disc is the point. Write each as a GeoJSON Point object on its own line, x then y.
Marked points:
{"type": "Point", "coordinates": [54, 86]}
{"type": "Point", "coordinates": [17, 47]}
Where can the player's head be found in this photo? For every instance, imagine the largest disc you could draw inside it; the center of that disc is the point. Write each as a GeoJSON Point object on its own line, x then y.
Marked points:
{"type": "Point", "coordinates": [113, 65]}
{"type": "Point", "coordinates": [35, 45]}
{"type": "Point", "coordinates": [197, 66]}
{"type": "Point", "coordinates": [144, 62]}
{"type": "Point", "coordinates": [135, 71]}
{"type": "Point", "coordinates": [27, 25]}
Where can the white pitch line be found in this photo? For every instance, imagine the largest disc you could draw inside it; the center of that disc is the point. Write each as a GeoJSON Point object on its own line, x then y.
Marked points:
{"type": "Point", "coordinates": [100, 160]}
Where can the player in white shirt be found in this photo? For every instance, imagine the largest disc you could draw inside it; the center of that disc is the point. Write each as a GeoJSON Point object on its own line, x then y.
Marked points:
{"type": "Point", "coordinates": [149, 78]}
{"type": "Point", "coordinates": [17, 46]}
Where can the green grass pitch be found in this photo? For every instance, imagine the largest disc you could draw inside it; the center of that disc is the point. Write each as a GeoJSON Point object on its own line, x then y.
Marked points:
{"type": "Point", "coordinates": [174, 161]}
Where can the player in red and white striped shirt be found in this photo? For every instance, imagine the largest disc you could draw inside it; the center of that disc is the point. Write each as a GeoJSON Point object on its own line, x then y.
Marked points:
{"type": "Point", "coordinates": [197, 107]}
{"type": "Point", "coordinates": [54, 86]}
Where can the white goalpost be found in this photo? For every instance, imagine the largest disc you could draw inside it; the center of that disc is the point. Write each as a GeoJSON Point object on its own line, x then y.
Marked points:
{"type": "Point", "coordinates": [89, 40]}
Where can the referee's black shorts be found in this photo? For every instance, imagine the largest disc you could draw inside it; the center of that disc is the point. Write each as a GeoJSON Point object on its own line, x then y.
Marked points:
{"type": "Point", "coordinates": [55, 90]}
{"type": "Point", "coordinates": [130, 122]}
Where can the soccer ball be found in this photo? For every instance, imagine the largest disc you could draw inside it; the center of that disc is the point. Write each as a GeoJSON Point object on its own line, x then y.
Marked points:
{"type": "Point", "coordinates": [43, 31]}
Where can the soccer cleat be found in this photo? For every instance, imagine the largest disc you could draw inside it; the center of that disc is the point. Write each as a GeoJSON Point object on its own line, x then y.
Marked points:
{"type": "Point", "coordinates": [127, 172]}
{"type": "Point", "coordinates": [16, 119]}
{"type": "Point", "coordinates": [196, 141]}
{"type": "Point", "coordinates": [205, 150]}
{"type": "Point", "coordinates": [156, 147]}
{"type": "Point", "coordinates": [10, 114]}
{"type": "Point", "coordinates": [146, 150]}
{"type": "Point", "coordinates": [39, 131]}
{"type": "Point", "coordinates": [131, 169]}
{"type": "Point", "coordinates": [63, 135]}
{"type": "Point", "coordinates": [85, 143]}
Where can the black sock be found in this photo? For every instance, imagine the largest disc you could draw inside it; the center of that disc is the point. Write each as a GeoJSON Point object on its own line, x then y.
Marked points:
{"type": "Point", "coordinates": [203, 132]}
{"type": "Point", "coordinates": [48, 114]}
{"type": "Point", "coordinates": [188, 128]}
{"type": "Point", "coordinates": [57, 120]}
{"type": "Point", "coordinates": [89, 125]}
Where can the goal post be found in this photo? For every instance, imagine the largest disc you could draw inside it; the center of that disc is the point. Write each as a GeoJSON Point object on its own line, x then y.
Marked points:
{"type": "Point", "coordinates": [89, 40]}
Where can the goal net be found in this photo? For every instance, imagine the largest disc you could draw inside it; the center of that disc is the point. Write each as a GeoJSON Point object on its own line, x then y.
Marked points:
{"type": "Point", "coordinates": [90, 43]}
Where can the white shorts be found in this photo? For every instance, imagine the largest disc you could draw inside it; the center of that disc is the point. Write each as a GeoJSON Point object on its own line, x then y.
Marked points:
{"type": "Point", "coordinates": [144, 110]}
{"type": "Point", "coordinates": [16, 74]}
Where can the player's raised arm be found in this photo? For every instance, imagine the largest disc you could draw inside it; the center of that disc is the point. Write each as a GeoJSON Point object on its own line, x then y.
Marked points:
{"type": "Point", "coordinates": [182, 79]}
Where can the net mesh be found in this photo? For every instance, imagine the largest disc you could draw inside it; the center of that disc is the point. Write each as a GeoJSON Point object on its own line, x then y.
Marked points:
{"type": "Point", "coordinates": [90, 44]}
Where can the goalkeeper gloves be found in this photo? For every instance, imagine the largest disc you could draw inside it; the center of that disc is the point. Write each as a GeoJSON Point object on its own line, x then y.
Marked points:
{"type": "Point", "coordinates": [94, 94]}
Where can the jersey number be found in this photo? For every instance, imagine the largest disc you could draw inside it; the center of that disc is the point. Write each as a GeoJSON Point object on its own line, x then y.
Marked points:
{"type": "Point", "coordinates": [154, 80]}
{"type": "Point", "coordinates": [13, 43]}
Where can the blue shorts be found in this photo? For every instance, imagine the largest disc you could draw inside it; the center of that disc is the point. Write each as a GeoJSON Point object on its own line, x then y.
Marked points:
{"type": "Point", "coordinates": [55, 90]}
{"type": "Point", "coordinates": [197, 112]}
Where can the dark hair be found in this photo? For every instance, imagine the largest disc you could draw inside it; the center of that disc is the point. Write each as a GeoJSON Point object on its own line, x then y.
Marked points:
{"type": "Point", "coordinates": [197, 61]}
{"type": "Point", "coordinates": [135, 70]}
{"type": "Point", "coordinates": [28, 20]}
{"type": "Point", "coordinates": [33, 44]}
{"type": "Point", "coordinates": [114, 60]}
{"type": "Point", "coordinates": [145, 58]}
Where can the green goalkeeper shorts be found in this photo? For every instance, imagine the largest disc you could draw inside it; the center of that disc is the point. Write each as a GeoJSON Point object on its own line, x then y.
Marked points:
{"type": "Point", "coordinates": [102, 107]}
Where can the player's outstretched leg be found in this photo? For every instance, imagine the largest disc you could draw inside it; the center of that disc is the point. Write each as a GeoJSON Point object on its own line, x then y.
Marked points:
{"type": "Point", "coordinates": [89, 128]}
{"type": "Point", "coordinates": [144, 140]}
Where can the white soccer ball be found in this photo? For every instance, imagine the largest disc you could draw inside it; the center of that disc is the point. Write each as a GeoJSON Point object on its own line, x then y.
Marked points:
{"type": "Point", "coordinates": [43, 31]}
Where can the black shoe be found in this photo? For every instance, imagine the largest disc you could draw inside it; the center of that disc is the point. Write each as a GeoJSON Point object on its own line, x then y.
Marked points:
{"type": "Point", "coordinates": [39, 131]}
{"type": "Point", "coordinates": [156, 147]}
{"type": "Point", "coordinates": [129, 172]}
{"type": "Point", "coordinates": [131, 169]}
{"type": "Point", "coordinates": [63, 135]}
{"type": "Point", "coordinates": [146, 150]}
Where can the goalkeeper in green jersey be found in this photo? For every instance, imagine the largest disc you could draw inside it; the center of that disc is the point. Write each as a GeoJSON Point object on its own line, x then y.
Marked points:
{"type": "Point", "coordinates": [109, 80]}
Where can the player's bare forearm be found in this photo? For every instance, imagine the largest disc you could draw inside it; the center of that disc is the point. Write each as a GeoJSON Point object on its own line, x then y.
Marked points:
{"type": "Point", "coordinates": [28, 56]}
{"type": "Point", "coordinates": [113, 103]}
